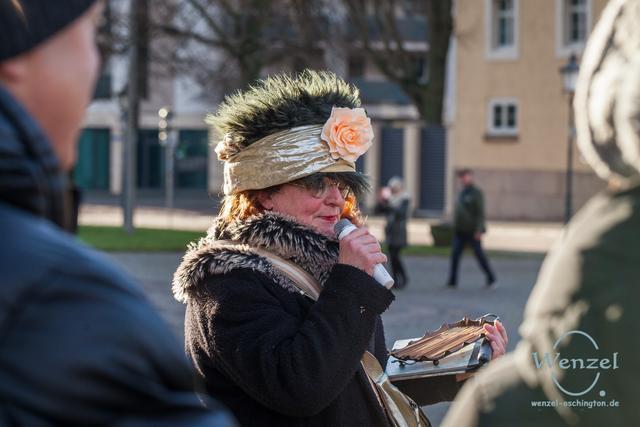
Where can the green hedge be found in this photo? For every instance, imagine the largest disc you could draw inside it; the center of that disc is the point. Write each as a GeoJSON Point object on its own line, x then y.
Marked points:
{"type": "Point", "coordinates": [442, 234]}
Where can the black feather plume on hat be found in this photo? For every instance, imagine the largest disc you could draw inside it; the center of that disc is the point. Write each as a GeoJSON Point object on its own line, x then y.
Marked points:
{"type": "Point", "coordinates": [283, 102]}
{"type": "Point", "coordinates": [277, 103]}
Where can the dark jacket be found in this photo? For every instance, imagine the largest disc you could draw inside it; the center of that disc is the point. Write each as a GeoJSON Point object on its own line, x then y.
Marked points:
{"type": "Point", "coordinates": [588, 283]}
{"type": "Point", "coordinates": [396, 212]}
{"type": "Point", "coordinates": [469, 211]}
{"type": "Point", "coordinates": [274, 356]}
{"type": "Point", "coordinates": [79, 343]}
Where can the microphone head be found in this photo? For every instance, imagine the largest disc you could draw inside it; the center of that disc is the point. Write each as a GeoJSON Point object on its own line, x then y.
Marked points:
{"type": "Point", "coordinates": [341, 225]}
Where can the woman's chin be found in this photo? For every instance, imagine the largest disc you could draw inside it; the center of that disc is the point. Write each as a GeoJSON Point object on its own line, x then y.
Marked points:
{"type": "Point", "coordinates": [325, 228]}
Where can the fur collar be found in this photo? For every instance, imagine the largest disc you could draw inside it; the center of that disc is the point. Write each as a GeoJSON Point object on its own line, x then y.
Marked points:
{"type": "Point", "coordinates": [280, 235]}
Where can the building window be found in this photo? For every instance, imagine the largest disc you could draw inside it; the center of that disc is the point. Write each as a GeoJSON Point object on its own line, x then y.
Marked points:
{"type": "Point", "coordinates": [414, 7]}
{"type": "Point", "coordinates": [576, 21]}
{"type": "Point", "coordinates": [503, 117]}
{"type": "Point", "coordinates": [356, 66]}
{"type": "Point", "coordinates": [502, 28]}
{"type": "Point", "coordinates": [103, 87]}
{"type": "Point", "coordinates": [421, 67]}
{"type": "Point", "coordinates": [503, 24]}
{"type": "Point", "coordinates": [573, 22]}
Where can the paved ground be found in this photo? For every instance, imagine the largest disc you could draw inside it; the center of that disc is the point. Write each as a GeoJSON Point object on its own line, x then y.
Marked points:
{"type": "Point", "coordinates": [424, 305]}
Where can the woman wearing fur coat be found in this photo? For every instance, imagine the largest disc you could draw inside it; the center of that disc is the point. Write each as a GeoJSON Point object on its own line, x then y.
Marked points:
{"type": "Point", "coordinates": [273, 355]}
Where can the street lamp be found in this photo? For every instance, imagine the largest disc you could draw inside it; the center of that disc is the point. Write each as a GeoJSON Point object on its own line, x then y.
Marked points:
{"type": "Point", "coordinates": [569, 74]}
{"type": "Point", "coordinates": [164, 115]}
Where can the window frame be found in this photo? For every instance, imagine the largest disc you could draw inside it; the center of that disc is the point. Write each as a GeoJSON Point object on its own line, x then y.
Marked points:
{"type": "Point", "coordinates": [493, 51]}
{"type": "Point", "coordinates": [564, 47]}
{"type": "Point", "coordinates": [505, 103]}
{"type": "Point", "coordinates": [356, 60]}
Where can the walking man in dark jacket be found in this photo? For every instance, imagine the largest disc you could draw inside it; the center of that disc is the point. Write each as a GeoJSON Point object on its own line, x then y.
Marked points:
{"type": "Point", "coordinates": [469, 227]}
{"type": "Point", "coordinates": [80, 345]}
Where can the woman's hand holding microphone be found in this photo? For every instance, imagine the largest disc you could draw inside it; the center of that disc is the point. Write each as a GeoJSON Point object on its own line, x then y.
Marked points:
{"type": "Point", "coordinates": [361, 249]}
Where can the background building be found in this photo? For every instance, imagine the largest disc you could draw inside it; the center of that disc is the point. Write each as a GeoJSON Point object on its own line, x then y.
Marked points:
{"type": "Point", "coordinates": [511, 120]}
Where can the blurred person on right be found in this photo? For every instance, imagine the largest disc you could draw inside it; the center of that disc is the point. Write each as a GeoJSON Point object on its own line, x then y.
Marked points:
{"type": "Point", "coordinates": [578, 363]}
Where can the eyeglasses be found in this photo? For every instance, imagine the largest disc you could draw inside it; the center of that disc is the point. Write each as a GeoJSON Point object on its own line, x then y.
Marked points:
{"type": "Point", "coordinates": [319, 188]}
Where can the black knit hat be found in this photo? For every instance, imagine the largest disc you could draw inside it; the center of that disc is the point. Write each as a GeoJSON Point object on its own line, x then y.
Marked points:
{"type": "Point", "coordinates": [26, 23]}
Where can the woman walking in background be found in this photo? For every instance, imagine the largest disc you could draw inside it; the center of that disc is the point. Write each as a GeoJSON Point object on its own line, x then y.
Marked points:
{"type": "Point", "coordinates": [394, 203]}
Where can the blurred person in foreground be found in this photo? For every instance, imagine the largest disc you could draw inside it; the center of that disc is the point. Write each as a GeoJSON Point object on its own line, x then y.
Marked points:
{"type": "Point", "coordinates": [80, 344]}
{"type": "Point", "coordinates": [274, 355]}
{"type": "Point", "coordinates": [583, 306]}
{"type": "Point", "coordinates": [394, 203]}
{"type": "Point", "coordinates": [468, 228]}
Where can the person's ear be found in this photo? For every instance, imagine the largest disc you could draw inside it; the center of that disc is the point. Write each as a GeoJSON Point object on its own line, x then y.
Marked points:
{"type": "Point", "coordinates": [12, 70]}
{"type": "Point", "coordinates": [266, 200]}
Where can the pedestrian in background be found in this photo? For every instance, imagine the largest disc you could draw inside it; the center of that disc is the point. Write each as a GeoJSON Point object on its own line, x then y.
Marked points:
{"type": "Point", "coordinates": [469, 226]}
{"type": "Point", "coordinates": [394, 203]}
{"type": "Point", "coordinates": [80, 344]}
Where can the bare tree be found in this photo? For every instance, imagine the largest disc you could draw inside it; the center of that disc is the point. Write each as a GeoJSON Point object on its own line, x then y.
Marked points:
{"type": "Point", "coordinates": [230, 43]}
{"type": "Point", "coordinates": [114, 38]}
{"type": "Point", "coordinates": [377, 29]}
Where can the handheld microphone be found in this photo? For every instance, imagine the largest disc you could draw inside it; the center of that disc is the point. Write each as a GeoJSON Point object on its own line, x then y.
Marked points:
{"type": "Point", "coordinates": [380, 274]}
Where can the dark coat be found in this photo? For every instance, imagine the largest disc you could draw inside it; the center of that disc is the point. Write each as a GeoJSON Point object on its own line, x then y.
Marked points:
{"type": "Point", "coordinates": [272, 355]}
{"type": "Point", "coordinates": [469, 211]}
{"type": "Point", "coordinates": [397, 213]}
{"type": "Point", "coordinates": [80, 344]}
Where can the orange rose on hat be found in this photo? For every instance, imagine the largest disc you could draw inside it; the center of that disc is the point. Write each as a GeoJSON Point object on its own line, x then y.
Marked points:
{"type": "Point", "coordinates": [348, 133]}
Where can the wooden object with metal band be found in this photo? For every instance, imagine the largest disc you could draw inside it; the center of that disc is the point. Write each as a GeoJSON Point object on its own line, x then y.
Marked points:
{"type": "Point", "coordinates": [448, 339]}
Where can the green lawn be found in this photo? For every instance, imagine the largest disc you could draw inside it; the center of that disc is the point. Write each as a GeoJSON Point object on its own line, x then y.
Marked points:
{"type": "Point", "coordinates": [142, 240]}
{"type": "Point", "coordinates": [114, 239]}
